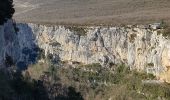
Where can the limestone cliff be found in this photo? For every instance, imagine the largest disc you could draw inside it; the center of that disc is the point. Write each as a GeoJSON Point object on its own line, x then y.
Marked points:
{"type": "Point", "coordinates": [141, 47]}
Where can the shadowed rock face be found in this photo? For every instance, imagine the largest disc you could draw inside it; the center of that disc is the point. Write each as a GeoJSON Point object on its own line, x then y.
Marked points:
{"type": "Point", "coordinates": [19, 47]}
{"type": "Point", "coordinates": [138, 46]}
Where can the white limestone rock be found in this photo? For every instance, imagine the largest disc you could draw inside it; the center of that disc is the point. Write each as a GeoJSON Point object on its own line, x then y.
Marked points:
{"type": "Point", "coordinates": [138, 46]}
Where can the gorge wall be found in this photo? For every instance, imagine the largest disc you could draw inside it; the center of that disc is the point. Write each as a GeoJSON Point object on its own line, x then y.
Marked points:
{"type": "Point", "coordinates": [141, 47]}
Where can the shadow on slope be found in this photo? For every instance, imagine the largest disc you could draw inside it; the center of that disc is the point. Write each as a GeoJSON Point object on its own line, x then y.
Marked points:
{"type": "Point", "coordinates": [13, 86]}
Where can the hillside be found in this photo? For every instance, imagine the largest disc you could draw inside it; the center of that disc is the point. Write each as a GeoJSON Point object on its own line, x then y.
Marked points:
{"type": "Point", "coordinates": [66, 62]}
{"type": "Point", "coordinates": [92, 11]}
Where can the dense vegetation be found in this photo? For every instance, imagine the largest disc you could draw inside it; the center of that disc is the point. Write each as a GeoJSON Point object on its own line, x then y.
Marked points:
{"type": "Point", "coordinates": [94, 82]}
{"type": "Point", "coordinates": [49, 80]}
{"type": "Point", "coordinates": [6, 10]}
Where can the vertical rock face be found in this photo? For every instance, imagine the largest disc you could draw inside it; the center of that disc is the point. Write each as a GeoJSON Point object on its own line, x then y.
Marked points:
{"type": "Point", "coordinates": [138, 46]}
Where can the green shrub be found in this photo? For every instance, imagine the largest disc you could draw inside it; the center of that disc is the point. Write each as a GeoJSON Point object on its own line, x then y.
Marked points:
{"type": "Point", "coordinates": [153, 91]}
{"type": "Point", "coordinates": [163, 24]}
{"type": "Point", "coordinates": [54, 44]}
{"type": "Point", "coordinates": [166, 32]}
{"type": "Point", "coordinates": [166, 29]}
{"type": "Point", "coordinates": [41, 54]}
{"type": "Point", "coordinates": [132, 37]}
{"type": "Point", "coordinates": [77, 30]}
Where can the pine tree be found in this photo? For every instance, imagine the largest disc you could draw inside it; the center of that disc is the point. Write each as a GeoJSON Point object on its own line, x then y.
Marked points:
{"type": "Point", "coordinates": [6, 10]}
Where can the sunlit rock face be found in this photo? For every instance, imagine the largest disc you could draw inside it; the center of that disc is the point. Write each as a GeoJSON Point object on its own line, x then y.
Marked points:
{"type": "Point", "coordinates": [166, 64]}
{"type": "Point", "coordinates": [140, 47]}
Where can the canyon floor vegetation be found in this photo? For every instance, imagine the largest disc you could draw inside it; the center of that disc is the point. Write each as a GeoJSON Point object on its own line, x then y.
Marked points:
{"type": "Point", "coordinates": [63, 81]}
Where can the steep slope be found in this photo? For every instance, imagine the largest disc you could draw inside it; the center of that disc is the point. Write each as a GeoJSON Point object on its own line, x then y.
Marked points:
{"type": "Point", "coordinates": [141, 47]}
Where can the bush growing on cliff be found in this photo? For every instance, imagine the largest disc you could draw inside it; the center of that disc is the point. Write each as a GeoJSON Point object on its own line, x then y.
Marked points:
{"type": "Point", "coordinates": [166, 29]}
{"type": "Point", "coordinates": [132, 37]}
{"type": "Point", "coordinates": [77, 30]}
{"type": "Point", "coordinates": [166, 32]}
{"type": "Point", "coordinates": [6, 10]}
